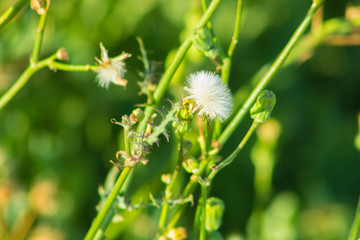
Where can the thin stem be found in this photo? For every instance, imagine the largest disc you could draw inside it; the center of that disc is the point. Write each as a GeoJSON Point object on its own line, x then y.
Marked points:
{"type": "Point", "coordinates": [170, 71]}
{"type": "Point", "coordinates": [108, 204]}
{"type": "Point", "coordinates": [234, 40]}
{"type": "Point", "coordinates": [208, 138]}
{"type": "Point", "coordinates": [6, 17]}
{"type": "Point", "coordinates": [232, 156]}
{"type": "Point", "coordinates": [269, 75]}
{"type": "Point", "coordinates": [355, 228]}
{"type": "Point", "coordinates": [204, 190]}
{"type": "Point", "coordinates": [38, 40]}
{"type": "Point", "coordinates": [169, 192]}
{"type": "Point", "coordinates": [72, 68]}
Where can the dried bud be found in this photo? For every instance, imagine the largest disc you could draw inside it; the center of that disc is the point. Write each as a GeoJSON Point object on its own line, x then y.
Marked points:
{"type": "Point", "coordinates": [62, 55]}
{"type": "Point", "coordinates": [40, 6]}
{"type": "Point", "coordinates": [214, 213]}
{"type": "Point", "coordinates": [137, 115]}
{"type": "Point", "coordinates": [111, 70]}
{"type": "Point", "coordinates": [261, 111]}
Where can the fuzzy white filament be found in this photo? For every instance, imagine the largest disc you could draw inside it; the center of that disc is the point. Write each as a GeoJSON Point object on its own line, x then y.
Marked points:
{"type": "Point", "coordinates": [111, 70]}
{"type": "Point", "coordinates": [212, 98]}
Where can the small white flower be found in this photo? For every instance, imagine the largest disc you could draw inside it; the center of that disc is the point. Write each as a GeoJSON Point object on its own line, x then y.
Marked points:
{"type": "Point", "coordinates": [111, 69]}
{"type": "Point", "coordinates": [212, 98]}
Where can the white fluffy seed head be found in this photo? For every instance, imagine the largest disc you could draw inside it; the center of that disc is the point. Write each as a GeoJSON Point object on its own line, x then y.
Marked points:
{"type": "Point", "coordinates": [212, 98]}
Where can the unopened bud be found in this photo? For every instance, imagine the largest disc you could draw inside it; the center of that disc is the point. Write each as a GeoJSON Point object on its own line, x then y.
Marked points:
{"type": "Point", "coordinates": [191, 165]}
{"type": "Point", "coordinates": [202, 41]}
{"type": "Point", "coordinates": [214, 213]}
{"type": "Point", "coordinates": [261, 111]}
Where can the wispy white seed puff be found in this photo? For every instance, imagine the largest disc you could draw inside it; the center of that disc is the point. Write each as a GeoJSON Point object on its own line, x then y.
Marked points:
{"type": "Point", "coordinates": [111, 70]}
{"type": "Point", "coordinates": [212, 98]}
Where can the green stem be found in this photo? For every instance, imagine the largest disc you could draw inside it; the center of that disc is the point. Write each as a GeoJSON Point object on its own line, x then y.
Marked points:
{"type": "Point", "coordinates": [108, 204]}
{"type": "Point", "coordinates": [234, 40]}
{"type": "Point", "coordinates": [169, 192]}
{"type": "Point", "coordinates": [72, 68]}
{"type": "Point", "coordinates": [204, 190]}
{"type": "Point", "coordinates": [170, 71]}
{"type": "Point", "coordinates": [269, 75]}
{"type": "Point", "coordinates": [208, 138]}
{"type": "Point", "coordinates": [24, 77]}
{"type": "Point", "coordinates": [232, 156]}
{"type": "Point", "coordinates": [38, 40]}
{"type": "Point", "coordinates": [6, 17]}
{"type": "Point", "coordinates": [355, 228]}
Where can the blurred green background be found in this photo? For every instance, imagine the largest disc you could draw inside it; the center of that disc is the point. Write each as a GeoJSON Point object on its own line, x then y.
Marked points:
{"type": "Point", "coordinates": [56, 134]}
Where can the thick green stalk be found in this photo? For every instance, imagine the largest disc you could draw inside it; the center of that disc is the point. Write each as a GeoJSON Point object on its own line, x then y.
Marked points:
{"type": "Point", "coordinates": [170, 71]}
{"type": "Point", "coordinates": [169, 192]}
{"type": "Point", "coordinates": [6, 17]}
{"type": "Point", "coordinates": [108, 204]}
{"type": "Point", "coordinates": [355, 228]}
{"type": "Point", "coordinates": [38, 40]}
{"type": "Point", "coordinates": [269, 75]}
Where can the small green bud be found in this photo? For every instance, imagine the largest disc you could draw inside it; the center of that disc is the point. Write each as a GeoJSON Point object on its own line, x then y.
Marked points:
{"type": "Point", "coordinates": [137, 115]}
{"type": "Point", "coordinates": [261, 111]}
{"type": "Point", "coordinates": [191, 165]}
{"type": "Point", "coordinates": [202, 41]}
{"type": "Point", "coordinates": [214, 212]}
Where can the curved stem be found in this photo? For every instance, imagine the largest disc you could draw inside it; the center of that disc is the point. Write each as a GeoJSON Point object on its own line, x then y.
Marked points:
{"type": "Point", "coordinates": [269, 75]}
{"type": "Point", "coordinates": [6, 17]}
{"type": "Point", "coordinates": [24, 77]}
{"type": "Point", "coordinates": [232, 156]}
